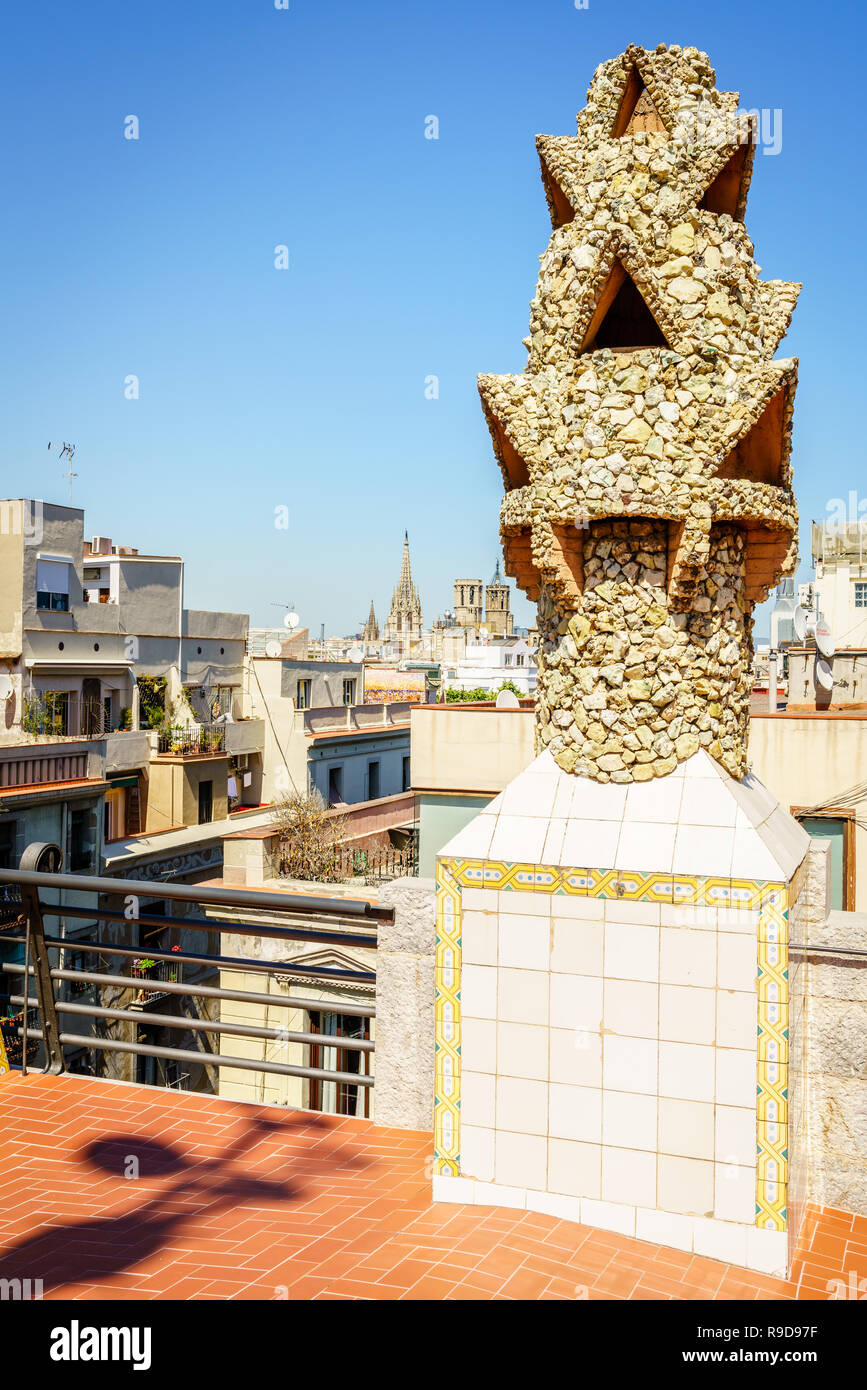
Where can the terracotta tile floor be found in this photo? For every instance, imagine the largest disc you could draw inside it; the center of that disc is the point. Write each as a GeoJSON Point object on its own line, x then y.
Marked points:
{"type": "Point", "coordinates": [234, 1201]}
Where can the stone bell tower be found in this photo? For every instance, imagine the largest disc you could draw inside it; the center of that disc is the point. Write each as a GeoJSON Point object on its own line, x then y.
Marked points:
{"type": "Point", "coordinates": [612, 930]}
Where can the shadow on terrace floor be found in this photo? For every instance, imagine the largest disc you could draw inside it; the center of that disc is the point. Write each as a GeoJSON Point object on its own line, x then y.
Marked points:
{"type": "Point", "coordinates": [81, 1252]}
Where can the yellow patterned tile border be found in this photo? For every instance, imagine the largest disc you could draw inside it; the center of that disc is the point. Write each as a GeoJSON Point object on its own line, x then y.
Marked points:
{"type": "Point", "coordinates": [447, 1063]}
{"type": "Point", "coordinates": [771, 900]}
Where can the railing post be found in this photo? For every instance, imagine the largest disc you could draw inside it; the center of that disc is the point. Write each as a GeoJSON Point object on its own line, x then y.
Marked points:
{"type": "Point", "coordinates": [34, 858]}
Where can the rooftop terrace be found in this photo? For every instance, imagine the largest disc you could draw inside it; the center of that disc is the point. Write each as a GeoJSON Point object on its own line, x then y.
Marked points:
{"type": "Point", "coordinates": [245, 1202]}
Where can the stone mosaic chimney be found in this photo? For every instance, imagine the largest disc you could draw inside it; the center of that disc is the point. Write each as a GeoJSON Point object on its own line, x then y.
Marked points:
{"type": "Point", "coordinates": [645, 449]}
{"type": "Point", "coordinates": [612, 992]}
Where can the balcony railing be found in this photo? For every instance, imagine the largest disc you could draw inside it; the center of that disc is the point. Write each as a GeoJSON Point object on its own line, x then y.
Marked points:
{"type": "Point", "coordinates": [149, 969]}
{"type": "Point", "coordinates": [66, 714]}
{"type": "Point", "coordinates": [326, 922]}
{"type": "Point", "coordinates": [12, 917]}
{"type": "Point", "coordinates": [192, 741]}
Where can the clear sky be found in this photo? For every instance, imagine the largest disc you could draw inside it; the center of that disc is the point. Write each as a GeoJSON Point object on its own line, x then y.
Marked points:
{"type": "Point", "coordinates": [262, 388]}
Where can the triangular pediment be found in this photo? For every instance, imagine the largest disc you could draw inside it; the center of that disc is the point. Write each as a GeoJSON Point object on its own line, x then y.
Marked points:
{"type": "Point", "coordinates": [726, 193]}
{"type": "Point", "coordinates": [760, 456]}
{"type": "Point", "coordinates": [637, 112]}
{"type": "Point", "coordinates": [622, 320]}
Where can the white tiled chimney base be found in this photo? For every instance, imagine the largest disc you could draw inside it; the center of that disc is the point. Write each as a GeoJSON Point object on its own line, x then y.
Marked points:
{"type": "Point", "coordinates": [607, 1069]}
{"type": "Point", "coordinates": [734, 1242]}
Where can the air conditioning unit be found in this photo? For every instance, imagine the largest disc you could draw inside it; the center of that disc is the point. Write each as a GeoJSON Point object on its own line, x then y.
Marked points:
{"type": "Point", "coordinates": [242, 762]}
{"type": "Point", "coordinates": [101, 545]}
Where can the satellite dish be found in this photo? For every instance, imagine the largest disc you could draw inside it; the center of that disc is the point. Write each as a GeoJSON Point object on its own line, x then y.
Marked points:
{"type": "Point", "coordinates": [824, 674]}
{"type": "Point", "coordinates": [291, 620]}
{"type": "Point", "coordinates": [507, 699]}
{"type": "Point", "coordinates": [824, 639]}
{"type": "Point", "coordinates": [6, 687]}
{"type": "Point", "coordinates": [273, 648]}
{"type": "Point", "coordinates": [355, 654]}
{"type": "Point", "coordinates": [800, 620]}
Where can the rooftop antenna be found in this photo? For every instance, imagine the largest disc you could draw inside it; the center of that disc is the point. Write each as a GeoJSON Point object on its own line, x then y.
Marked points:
{"type": "Point", "coordinates": [67, 451]}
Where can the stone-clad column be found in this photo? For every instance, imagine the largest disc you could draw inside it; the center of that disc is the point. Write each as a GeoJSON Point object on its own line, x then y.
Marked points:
{"type": "Point", "coordinates": [403, 1090]}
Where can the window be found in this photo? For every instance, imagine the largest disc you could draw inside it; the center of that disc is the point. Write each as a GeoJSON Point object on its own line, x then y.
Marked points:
{"type": "Point", "coordinates": [406, 776]}
{"type": "Point", "coordinates": [7, 846]}
{"type": "Point", "coordinates": [349, 692]}
{"type": "Point", "coordinates": [861, 595]}
{"type": "Point", "coordinates": [372, 781]}
{"type": "Point", "coordinates": [114, 815]}
{"type": "Point", "coordinates": [335, 785]}
{"type": "Point", "coordinates": [339, 1097]}
{"type": "Point", "coordinates": [206, 802]}
{"type": "Point", "coordinates": [507, 660]}
{"type": "Point", "coordinates": [519, 660]}
{"type": "Point", "coordinates": [52, 585]}
{"type": "Point", "coordinates": [837, 826]}
{"type": "Point", "coordinates": [81, 837]}
{"type": "Point", "coordinates": [302, 700]}
{"type": "Point", "coordinates": [78, 961]}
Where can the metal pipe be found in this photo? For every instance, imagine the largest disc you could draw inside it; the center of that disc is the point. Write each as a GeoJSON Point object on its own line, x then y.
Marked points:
{"type": "Point", "coordinates": [325, 938]}
{"type": "Point", "coordinates": [211, 1059]}
{"type": "Point", "coordinates": [199, 991]}
{"type": "Point", "coordinates": [823, 950]}
{"type": "Point", "coordinates": [240, 1030]}
{"type": "Point", "coordinates": [67, 943]}
{"type": "Point", "coordinates": [274, 901]}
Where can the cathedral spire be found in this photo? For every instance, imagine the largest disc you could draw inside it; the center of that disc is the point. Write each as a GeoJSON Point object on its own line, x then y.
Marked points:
{"type": "Point", "coordinates": [405, 581]}
{"type": "Point", "coordinates": [403, 626]}
{"type": "Point", "coordinates": [371, 627]}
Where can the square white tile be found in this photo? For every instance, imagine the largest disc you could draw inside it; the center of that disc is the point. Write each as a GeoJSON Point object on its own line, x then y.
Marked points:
{"type": "Point", "coordinates": [575, 1112]}
{"type": "Point", "coordinates": [630, 1064]}
{"type": "Point", "coordinates": [629, 1121]}
{"type": "Point", "coordinates": [576, 1002]}
{"type": "Point", "coordinates": [686, 1014]}
{"type": "Point", "coordinates": [686, 1071]}
{"type": "Point", "coordinates": [646, 846]}
{"type": "Point", "coordinates": [631, 952]}
{"type": "Point", "coordinates": [525, 942]}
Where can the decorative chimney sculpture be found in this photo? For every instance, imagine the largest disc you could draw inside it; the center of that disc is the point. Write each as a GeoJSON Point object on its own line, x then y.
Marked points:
{"type": "Point", "coordinates": [613, 996]}
{"type": "Point", "coordinates": [645, 450]}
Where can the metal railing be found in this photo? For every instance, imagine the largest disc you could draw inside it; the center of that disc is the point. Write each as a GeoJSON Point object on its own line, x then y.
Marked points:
{"type": "Point", "coordinates": [198, 738]}
{"type": "Point", "coordinates": [314, 919]}
{"type": "Point", "coordinates": [66, 714]}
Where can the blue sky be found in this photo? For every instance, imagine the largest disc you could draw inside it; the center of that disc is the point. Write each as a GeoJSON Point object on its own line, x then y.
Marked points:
{"type": "Point", "coordinates": [261, 388]}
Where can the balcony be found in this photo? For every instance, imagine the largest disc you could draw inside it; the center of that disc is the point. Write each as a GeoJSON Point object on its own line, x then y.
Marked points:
{"type": "Point", "coordinates": [126, 749]}
{"type": "Point", "coordinates": [194, 741]}
{"type": "Point", "coordinates": [150, 972]}
{"type": "Point", "coordinates": [55, 714]}
{"type": "Point", "coordinates": [361, 719]}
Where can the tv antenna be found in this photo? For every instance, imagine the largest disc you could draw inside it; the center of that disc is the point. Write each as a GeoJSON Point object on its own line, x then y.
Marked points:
{"type": "Point", "coordinates": [67, 451]}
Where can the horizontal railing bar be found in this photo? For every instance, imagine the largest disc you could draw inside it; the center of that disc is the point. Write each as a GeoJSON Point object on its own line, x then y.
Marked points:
{"type": "Point", "coordinates": [275, 901]}
{"type": "Point", "coordinates": [202, 1025]}
{"type": "Point", "coordinates": [268, 967]}
{"type": "Point", "coordinates": [826, 950]}
{"type": "Point", "coordinates": [241, 996]}
{"type": "Point", "coordinates": [315, 934]}
{"type": "Point", "coordinates": [206, 1059]}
